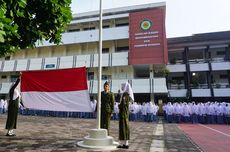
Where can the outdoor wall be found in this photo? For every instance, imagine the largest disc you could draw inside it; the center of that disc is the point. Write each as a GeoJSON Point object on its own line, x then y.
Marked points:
{"type": "Point", "coordinates": [32, 53]}
{"type": "Point", "coordinates": [147, 38]}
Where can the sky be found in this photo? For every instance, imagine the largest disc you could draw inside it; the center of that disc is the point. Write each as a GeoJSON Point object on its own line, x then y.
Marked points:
{"type": "Point", "coordinates": [183, 17]}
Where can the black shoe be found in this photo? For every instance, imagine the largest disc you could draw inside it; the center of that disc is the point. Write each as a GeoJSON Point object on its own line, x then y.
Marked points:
{"type": "Point", "coordinates": [10, 135]}
{"type": "Point", "coordinates": [126, 146]}
{"type": "Point", "coordinates": [123, 146]}
{"type": "Point", "coordinates": [120, 146]}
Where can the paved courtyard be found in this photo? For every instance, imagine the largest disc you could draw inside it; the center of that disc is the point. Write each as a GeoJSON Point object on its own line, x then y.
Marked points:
{"type": "Point", "coordinates": [61, 134]}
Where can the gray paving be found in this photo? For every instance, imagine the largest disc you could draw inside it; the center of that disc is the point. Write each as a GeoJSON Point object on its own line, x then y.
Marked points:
{"type": "Point", "coordinates": [51, 134]}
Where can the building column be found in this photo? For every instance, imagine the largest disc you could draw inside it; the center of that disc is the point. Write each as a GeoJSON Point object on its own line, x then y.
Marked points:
{"type": "Point", "coordinates": [227, 50]}
{"type": "Point", "coordinates": [185, 61]}
{"type": "Point", "coordinates": [229, 77]}
{"type": "Point", "coordinates": [113, 48]}
{"type": "Point", "coordinates": [187, 73]}
{"type": "Point", "coordinates": [151, 76]}
{"type": "Point", "coordinates": [207, 54]}
{"type": "Point", "coordinates": [208, 58]}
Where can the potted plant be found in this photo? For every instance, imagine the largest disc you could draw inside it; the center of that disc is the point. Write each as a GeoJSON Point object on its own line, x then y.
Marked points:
{"type": "Point", "coordinates": [178, 84]}
{"type": "Point", "coordinates": [173, 61]}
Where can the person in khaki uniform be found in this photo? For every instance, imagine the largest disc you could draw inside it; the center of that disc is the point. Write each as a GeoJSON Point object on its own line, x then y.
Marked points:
{"type": "Point", "coordinates": [107, 105]}
{"type": "Point", "coordinates": [126, 98]}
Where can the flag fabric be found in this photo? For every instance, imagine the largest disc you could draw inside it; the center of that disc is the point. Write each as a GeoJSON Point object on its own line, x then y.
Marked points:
{"type": "Point", "coordinates": [56, 90]}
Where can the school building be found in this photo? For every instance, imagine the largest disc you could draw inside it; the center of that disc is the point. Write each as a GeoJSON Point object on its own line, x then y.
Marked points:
{"type": "Point", "coordinates": [135, 49]}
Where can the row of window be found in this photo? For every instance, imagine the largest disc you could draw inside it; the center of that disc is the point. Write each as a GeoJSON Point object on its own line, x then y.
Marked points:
{"type": "Point", "coordinates": [219, 54]}
{"type": "Point", "coordinates": [104, 50]}
{"type": "Point", "coordinates": [13, 78]}
{"type": "Point", "coordinates": [103, 77]}
{"type": "Point", "coordinates": [93, 28]}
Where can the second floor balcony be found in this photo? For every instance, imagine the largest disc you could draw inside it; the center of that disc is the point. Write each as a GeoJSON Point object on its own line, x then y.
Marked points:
{"type": "Point", "coordinates": [109, 59]}
{"type": "Point", "coordinates": [114, 33]}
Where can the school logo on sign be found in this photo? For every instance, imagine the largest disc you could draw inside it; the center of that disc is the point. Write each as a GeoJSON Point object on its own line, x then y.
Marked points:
{"type": "Point", "coordinates": [146, 25]}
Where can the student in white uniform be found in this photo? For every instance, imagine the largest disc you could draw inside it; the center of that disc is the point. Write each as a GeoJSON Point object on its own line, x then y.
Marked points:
{"type": "Point", "coordinates": [220, 113]}
{"type": "Point", "coordinates": [5, 106]}
{"type": "Point", "coordinates": [1, 105]}
{"type": "Point", "coordinates": [186, 112]}
{"type": "Point", "coordinates": [155, 111]}
{"type": "Point", "coordinates": [169, 112]}
{"type": "Point", "coordinates": [178, 112]}
{"type": "Point", "coordinates": [116, 111]}
{"type": "Point", "coordinates": [227, 113]}
{"type": "Point", "coordinates": [194, 112]}
{"type": "Point", "coordinates": [144, 112]}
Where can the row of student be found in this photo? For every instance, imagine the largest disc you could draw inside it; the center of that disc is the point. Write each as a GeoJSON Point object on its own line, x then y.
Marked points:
{"type": "Point", "coordinates": [206, 113]}
{"type": "Point", "coordinates": [139, 112]}
{"type": "Point", "coordinates": [146, 112]}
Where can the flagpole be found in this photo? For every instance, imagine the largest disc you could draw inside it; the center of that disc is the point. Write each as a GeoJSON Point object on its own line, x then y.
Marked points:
{"type": "Point", "coordinates": [99, 69]}
{"type": "Point", "coordinates": [98, 139]}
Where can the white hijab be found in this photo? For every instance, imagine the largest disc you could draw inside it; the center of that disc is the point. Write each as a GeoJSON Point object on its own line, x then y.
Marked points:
{"type": "Point", "coordinates": [125, 87]}
{"type": "Point", "coordinates": [16, 94]}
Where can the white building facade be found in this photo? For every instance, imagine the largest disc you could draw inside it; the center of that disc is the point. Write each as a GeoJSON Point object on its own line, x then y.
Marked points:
{"type": "Point", "coordinates": [135, 49]}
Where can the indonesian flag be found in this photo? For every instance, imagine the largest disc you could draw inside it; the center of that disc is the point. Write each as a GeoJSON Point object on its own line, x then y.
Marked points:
{"type": "Point", "coordinates": [56, 90]}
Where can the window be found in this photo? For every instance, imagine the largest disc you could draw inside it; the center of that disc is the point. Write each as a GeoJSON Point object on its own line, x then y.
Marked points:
{"type": "Point", "coordinates": [141, 71]}
{"type": "Point", "coordinates": [224, 76]}
{"type": "Point", "coordinates": [73, 30]}
{"type": "Point", "coordinates": [122, 49]}
{"type": "Point", "coordinates": [122, 24]}
{"type": "Point", "coordinates": [90, 75]}
{"type": "Point", "coordinates": [105, 26]}
{"type": "Point", "coordinates": [3, 77]}
{"type": "Point", "coordinates": [49, 66]}
{"type": "Point", "coordinates": [178, 78]}
{"type": "Point", "coordinates": [105, 50]}
{"type": "Point", "coordinates": [88, 28]}
{"type": "Point", "coordinates": [7, 58]}
{"type": "Point", "coordinates": [13, 78]}
{"type": "Point", "coordinates": [106, 77]}
{"type": "Point", "coordinates": [220, 53]}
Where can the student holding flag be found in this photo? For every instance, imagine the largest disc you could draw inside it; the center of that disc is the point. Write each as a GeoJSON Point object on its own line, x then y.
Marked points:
{"type": "Point", "coordinates": [13, 107]}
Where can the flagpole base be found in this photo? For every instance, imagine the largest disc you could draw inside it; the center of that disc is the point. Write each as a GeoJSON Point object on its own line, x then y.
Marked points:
{"type": "Point", "coordinates": [98, 140]}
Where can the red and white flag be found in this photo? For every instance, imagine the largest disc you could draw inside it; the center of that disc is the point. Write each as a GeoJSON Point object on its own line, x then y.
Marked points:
{"type": "Point", "coordinates": [56, 90]}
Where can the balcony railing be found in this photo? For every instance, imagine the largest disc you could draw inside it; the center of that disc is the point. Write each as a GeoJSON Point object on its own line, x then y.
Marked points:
{"type": "Point", "coordinates": [90, 60]}
{"type": "Point", "coordinates": [195, 61]}
{"type": "Point", "coordinates": [199, 86]}
{"type": "Point", "coordinates": [221, 85]}
{"type": "Point", "coordinates": [114, 33]}
{"type": "Point", "coordinates": [157, 85]}
{"type": "Point", "coordinates": [176, 86]}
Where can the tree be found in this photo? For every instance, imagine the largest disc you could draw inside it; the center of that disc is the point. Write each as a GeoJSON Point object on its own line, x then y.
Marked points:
{"type": "Point", "coordinates": [25, 22]}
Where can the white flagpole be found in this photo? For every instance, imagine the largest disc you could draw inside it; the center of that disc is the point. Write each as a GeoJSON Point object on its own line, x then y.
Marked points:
{"type": "Point", "coordinates": [99, 69]}
{"type": "Point", "coordinates": [98, 137]}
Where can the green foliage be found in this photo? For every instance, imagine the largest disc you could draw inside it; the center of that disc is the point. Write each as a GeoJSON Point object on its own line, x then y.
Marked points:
{"type": "Point", "coordinates": [173, 61]}
{"type": "Point", "coordinates": [25, 22]}
{"type": "Point", "coordinates": [161, 71]}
